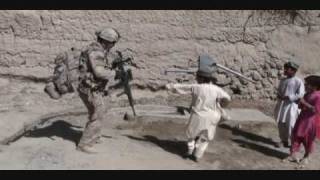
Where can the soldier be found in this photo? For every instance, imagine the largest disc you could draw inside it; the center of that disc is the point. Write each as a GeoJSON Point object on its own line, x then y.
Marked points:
{"type": "Point", "coordinates": [95, 78]}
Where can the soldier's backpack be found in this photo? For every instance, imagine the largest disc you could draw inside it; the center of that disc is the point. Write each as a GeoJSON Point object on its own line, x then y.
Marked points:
{"type": "Point", "coordinates": [66, 74]}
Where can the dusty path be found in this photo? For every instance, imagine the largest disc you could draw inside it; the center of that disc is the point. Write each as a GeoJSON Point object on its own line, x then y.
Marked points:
{"type": "Point", "coordinates": [142, 145]}
{"type": "Point", "coordinates": [156, 144]}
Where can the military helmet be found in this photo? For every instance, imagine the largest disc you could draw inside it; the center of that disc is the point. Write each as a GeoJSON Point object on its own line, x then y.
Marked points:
{"type": "Point", "coordinates": [108, 34]}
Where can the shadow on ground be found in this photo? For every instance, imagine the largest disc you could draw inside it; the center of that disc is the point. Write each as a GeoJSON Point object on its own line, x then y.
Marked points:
{"type": "Point", "coordinates": [176, 147]}
{"type": "Point", "coordinates": [256, 144]}
{"type": "Point", "coordinates": [250, 136]}
{"type": "Point", "coordinates": [58, 128]}
{"type": "Point", "coordinates": [262, 149]}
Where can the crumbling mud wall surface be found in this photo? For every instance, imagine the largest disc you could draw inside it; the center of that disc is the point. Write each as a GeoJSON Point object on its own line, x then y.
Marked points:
{"type": "Point", "coordinates": [256, 43]}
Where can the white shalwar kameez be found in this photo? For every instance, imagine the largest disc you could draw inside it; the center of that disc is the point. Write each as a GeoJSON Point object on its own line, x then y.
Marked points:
{"type": "Point", "coordinates": [287, 111]}
{"type": "Point", "coordinates": [205, 113]}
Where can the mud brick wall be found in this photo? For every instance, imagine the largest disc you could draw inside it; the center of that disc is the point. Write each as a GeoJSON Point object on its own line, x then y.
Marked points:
{"type": "Point", "coordinates": [256, 43]}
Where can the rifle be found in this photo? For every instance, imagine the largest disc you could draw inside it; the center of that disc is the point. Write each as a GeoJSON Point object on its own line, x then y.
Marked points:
{"type": "Point", "coordinates": [125, 75]}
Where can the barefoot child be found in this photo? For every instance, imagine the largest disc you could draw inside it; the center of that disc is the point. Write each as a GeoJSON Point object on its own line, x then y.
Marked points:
{"type": "Point", "coordinates": [305, 129]}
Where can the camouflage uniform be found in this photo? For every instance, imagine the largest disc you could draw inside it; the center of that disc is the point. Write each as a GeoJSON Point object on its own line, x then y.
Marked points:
{"type": "Point", "coordinates": [95, 75]}
{"type": "Point", "coordinates": [91, 89]}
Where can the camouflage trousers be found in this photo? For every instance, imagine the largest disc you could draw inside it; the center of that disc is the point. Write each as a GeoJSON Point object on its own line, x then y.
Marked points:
{"type": "Point", "coordinates": [94, 103]}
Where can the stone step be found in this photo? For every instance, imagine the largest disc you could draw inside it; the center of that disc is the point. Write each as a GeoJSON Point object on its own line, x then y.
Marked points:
{"type": "Point", "coordinates": [158, 111]}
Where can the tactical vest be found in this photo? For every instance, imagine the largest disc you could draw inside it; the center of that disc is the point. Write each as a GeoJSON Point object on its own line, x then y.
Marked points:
{"type": "Point", "coordinates": [87, 79]}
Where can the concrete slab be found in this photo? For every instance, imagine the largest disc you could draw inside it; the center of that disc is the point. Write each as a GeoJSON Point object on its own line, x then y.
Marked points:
{"type": "Point", "coordinates": [155, 112]}
{"type": "Point", "coordinates": [243, 114]}
{"type": "Point", "coordinates": [14, 124]}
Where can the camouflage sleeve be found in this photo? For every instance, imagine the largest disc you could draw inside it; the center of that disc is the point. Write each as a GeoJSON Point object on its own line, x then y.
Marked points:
{"type": "Point", "coordinates": [97, 62]}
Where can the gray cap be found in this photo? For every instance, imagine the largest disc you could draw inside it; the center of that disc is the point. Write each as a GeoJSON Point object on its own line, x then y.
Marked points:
{"type": "Point", "coordinates": [108, 34]}
{"type": "Point", "coordinates": [206, 66]}
{"type": "Point", "coordinates": [292, 64]}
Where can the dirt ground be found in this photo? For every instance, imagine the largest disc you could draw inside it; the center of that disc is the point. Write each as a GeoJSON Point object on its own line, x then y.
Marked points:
{"type": "Point", "coordinates": [148, 145]}
{"type": "Point", "coordinates": [142, 144]}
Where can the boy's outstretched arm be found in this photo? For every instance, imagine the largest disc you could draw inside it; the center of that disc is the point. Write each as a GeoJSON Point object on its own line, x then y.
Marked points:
{"type": "Point", "coordinates": [180, 88]}
{"type": "Point", "coordinates": [223, 95]}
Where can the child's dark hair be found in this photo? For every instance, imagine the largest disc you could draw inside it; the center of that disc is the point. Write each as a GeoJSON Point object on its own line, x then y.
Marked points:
{"type": "Point", "coordinates": [205, 79]}
{"type": "Point", "coordinates": [313, 80]}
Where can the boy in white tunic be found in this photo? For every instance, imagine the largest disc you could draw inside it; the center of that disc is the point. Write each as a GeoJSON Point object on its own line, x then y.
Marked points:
{"type": "Point", "coordinates": [290, 90]}
{"type": "Point", "coordinates": [206, 111]}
